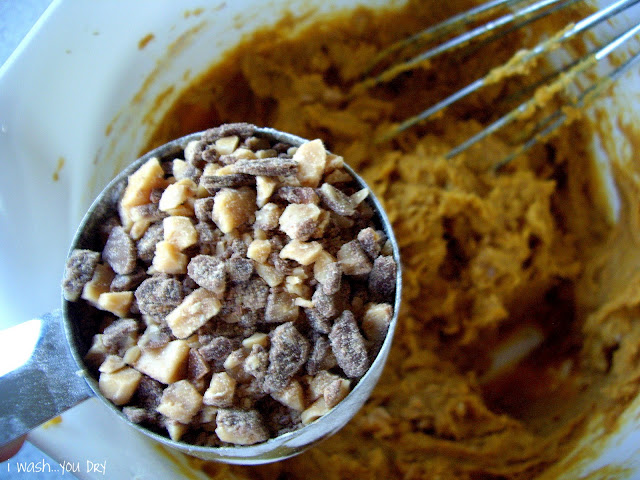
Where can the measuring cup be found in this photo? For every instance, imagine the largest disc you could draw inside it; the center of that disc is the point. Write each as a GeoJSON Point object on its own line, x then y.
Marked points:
{"type": "Point", "coordinates": [51, 376]}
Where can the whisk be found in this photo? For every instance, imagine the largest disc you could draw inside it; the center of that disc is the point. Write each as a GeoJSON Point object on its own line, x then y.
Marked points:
{"type": "Point", "coordinates": [502, 17]}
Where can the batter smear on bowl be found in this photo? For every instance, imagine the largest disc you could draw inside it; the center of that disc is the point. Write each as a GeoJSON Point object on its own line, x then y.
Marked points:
{"type": "Point", "coordinates": [518, 320]}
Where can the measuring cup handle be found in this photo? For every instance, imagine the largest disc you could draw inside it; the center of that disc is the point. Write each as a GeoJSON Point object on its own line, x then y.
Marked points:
{"type": "Point", "coordinates": [44, 386]}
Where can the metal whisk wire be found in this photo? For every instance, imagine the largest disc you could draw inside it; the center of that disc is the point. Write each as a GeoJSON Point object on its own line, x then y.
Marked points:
{"type": "Point", "coordinates": [524, 14]}
{"type": "Point", "coordinates": [518, 64]}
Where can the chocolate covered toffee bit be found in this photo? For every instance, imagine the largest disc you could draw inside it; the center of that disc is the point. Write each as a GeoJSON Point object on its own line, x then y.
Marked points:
{"type": "Point", "coordinates": [244, 290]}
{"type": "Point", "coordinates": [79, 270]}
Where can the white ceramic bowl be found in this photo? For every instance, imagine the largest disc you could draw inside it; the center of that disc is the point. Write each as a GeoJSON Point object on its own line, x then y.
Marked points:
{"type": "Point", "coordinates": [76, 106]}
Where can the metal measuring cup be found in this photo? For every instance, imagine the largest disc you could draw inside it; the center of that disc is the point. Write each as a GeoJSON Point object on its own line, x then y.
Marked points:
{"type": "Point", "coordinates": [55, 376]}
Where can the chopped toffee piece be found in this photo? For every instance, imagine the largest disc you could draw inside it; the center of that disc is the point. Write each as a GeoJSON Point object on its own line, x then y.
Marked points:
{"type": "Point", "coordinates": [79, 271]}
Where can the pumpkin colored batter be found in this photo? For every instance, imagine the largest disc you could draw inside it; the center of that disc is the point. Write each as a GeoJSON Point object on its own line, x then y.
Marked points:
{"type": "Point", "coordinates": [487, 256]}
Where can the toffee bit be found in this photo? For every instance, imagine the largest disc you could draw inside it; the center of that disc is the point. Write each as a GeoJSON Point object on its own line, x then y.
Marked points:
{"type": "Point", "coordinates": [158, 295]}
{"type": "Point", "coordinates": [288, 353]}
{"type": "Point", "coordinates": [252, 294]}
{"type": "Point", "coordinates": [299, 221]}
{"type": "Point", "coordinates": [257, 362]}
{"type": "Point", "coordinates": [146, 246]}
{"type": "Point", "coordinates": [197, 367]}
{"type": "Point", "coordinates": [238, 248]}
{"type": "Point", "coordinates": [336, 201]}
{"type": "Point", "coordinates": [280, 308]}
{"type": "Point", "coordinates": [239, 269]}
{"type": "Point", "coordinates": [78, 271]}
{"type": "Point", "coordinates": [331, 278]}
{"type": "Point", "coordinates": [182, 170]}
{"type": "Point", "coordinates": [153, 337]}
{"type": "Point", "coordinates": [283, 419]}
{"type": "Point", "coordinates": [233, 208]}
{"type": "Point", "coordinates": [248, 320]}
{"type": "Point", "coordinates": [218, 348]}
{"type": "Point", "coordinates": [120, 335]}
{"type": "Point", "coordinates": [297, 195]}
{"type": "Point", "coordinates": [267, 218]}
{"type": "Point", "coordinates": [329, 306]}
{"type": "Point", "coordinates": [180, 402]}
{"type": "Point", "coordinates": [319, 352]}
{"type": "Point", "coordinates": [369, 240]}
{"type": "Point", "coordinates": [207, 234]}
{"type": "Point", "coordinates": [148, 211]}
{"type": "Point", "coordinates": [155, 195]}
{"type": "Point", "coordinates": [213, 183]}
{"type": "Point", "coordinates": [241, 427]}
{"type": "Point", "coordinates": [375, 322]}
{"type": "Point", "coordinates": [268, 167]}
{"type": "Point", "coordinates": [209, 154]}
{"type": "Point", "coordinates": [348, 346]}
{"type": "Point", "coordinates": [122, 283]}
{"type": "Point", "coordinates": [353, 259]}
{"type": "Point", "coordinates": [336, 391]}
{"type": "Point", "coordinates": [317, 322]}
{"type": "Point", "coordinates": [382, 279]}
{"type": "Point", "coordinates": [241, 129]}
{"type": "Point", "coordinates": [136, 414]}
{"type": "Point", "coordinates": [208, 272]}
{"type": "Point", "coordinates": [120, 251]}
{"type": "Point", "coordinates": [149, 393]}
{"type": "Point", "coordinates": [227, 145]}
{"type": "Point", "coordinates": [282, 265]}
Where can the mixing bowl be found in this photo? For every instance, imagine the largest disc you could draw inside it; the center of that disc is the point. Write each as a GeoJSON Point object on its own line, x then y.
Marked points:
{"type": "Point", "coordinates": [105, 74]}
